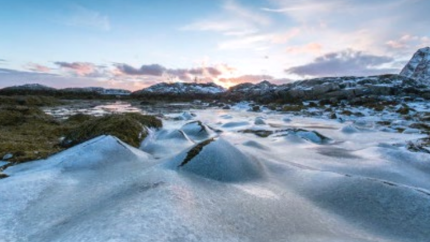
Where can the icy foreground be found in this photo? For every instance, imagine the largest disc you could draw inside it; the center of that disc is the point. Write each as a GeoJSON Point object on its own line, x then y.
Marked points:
{"type": "Point", "coordinates": [299, 179]}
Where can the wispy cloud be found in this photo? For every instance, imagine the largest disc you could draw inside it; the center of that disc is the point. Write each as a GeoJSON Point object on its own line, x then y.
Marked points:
{"type": "Point", "coordinates": [37, 67]}
{"type": "Point", "coordinates": [312, 48]}
{"type": "Point", "coordinates": [257, 41]}
{"type": "Point", "coordinates": [149, 70]}
{"type": "Point", "coordinates": [247, 14]}
{"type": "Point", "coordinates": [203, 74]}
{"type": "Point", "coordinates": [233, 20]}
{"type": "Point", "coordinates": [85, 17]}
{"type": "Point", "coordinates": [83, 69]}
{"type": "Point", "coordinates": [408, 41]}
{"type": "Point", "coordinates": [344, 63]}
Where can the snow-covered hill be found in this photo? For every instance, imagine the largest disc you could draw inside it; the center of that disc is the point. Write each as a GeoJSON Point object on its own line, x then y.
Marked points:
{"type": "Point", "coordinates": [418, 67]}
{"type": "Point", "coordinates": [30, 86]}
{"type": "Point", "coordinates": [41, 89]}
{"type": "Point", "coordinates": [182, 88]}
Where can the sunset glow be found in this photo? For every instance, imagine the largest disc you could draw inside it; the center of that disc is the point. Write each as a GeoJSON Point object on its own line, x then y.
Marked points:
{"type": "Point", "coordinates": [135, 44]}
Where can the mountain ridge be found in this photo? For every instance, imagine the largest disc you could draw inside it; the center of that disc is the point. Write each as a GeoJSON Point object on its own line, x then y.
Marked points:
{"type": "Point", "coordinates": [413, 80]}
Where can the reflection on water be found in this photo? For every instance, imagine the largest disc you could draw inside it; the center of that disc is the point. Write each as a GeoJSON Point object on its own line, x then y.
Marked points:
{"type": "Point", "coordinates": [63, 112]}
{"type": "Point", "coordinates": [99, 108]}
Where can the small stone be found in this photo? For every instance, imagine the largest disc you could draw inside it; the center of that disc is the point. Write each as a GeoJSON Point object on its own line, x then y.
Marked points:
{"type": "Point", "coordinates": [256, 108]}
{"type": "Point", "coordinates": [259, 121]}
{"type": "Point", "coordinates": [286, 119]}
{"type": "Point", "coordinates": [2, 175]}
{"type": "Point", "coordinates": [7, 156]}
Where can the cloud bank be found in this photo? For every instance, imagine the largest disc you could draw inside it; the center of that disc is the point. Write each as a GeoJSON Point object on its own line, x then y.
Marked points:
{"type": "Point", "coordinates": [344, 63]}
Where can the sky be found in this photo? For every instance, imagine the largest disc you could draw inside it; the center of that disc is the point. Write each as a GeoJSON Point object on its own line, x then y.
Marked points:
{"type": "Point", "coordinates": [132, 44]}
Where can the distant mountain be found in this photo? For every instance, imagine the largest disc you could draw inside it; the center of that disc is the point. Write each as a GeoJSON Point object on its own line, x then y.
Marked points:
{"type": "Point", "coordinates": [38, 89]}
{"type": "Point", "coordinates": [181, 88]}
{"type": "Point", "coordinates": [99, 90]}
{"type": "Point", "coordinates": [413, 81]}
{"type": "Point", "coordinates": [261, 87]}
{"type": "Point", "coordinates": [329, 88]}
{"type": "Point", "coordinates": [418, 67]}
{"type": "Point", "coordinates": [31, 86]}
{"type": "Point", "coordinates": [260, 91]}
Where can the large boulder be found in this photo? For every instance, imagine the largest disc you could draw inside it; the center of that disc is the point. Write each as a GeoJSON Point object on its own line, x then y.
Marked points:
{"type": "Point", "coordinates": [418, 67]}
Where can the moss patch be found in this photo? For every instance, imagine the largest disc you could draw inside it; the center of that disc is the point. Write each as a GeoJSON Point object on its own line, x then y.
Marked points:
{"type": "Point", "coordinates": [146, 120]}
{"type": "Point", "coordinates": [421, 126]}
{"type": "Point", "coordinates": [15, 115]}
{"type": "Point", "coordinates": [29, 100]}
{"type": "Point", "coordinates": [127, 127]}
{"type": "Point", "coordinates": [404, 109]}
{"type": "Point", "coordinates": [421, 145]}
{"type": "Point", "coordinates": [29, 134]}
{"type": "Point", "coordinates": [292, 108]}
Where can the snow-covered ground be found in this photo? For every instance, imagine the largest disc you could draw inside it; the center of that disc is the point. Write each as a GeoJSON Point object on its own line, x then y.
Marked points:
{"type": "Point", "coordinates": [227, 175]}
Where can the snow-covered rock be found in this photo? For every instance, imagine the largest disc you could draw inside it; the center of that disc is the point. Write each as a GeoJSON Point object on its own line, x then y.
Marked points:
{"type": "Point", "coordinates": [418, 67]}
{"type": "Point", "coordinates": [219, 160]}
{"type": "Point", "coordinates": [259, 121]}
{"type": "Point", "coordinates": [196, 130]}
{"type": "Point", "coordinates": [7, 156]}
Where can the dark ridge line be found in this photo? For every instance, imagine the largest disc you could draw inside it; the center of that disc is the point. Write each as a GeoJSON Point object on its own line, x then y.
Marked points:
{"type": "Point", "coordinates": [125, 147]}
{"type": "Point", "coordinates": [199, 123]}
{"type": "Point", "coordinates": [195, 151]}
{"type": "Point", "coordinates": [214, 129]}
{"type": "Point", "coordinates": [183, 134]}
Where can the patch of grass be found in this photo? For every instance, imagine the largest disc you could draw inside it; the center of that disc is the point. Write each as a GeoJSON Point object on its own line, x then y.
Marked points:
{"type": "Point", "coordinates": [78, 118]}
{"type": "Point", "coordinates": [29, 100]}
{"type": "Point", "coordinates": [146, 120]}
{"type": "Point", "coordinates": [127, 127]}
{"type": "Point", "coordinates": [15, 115]}
{"type": "Point", "coordinates": [421, 126]}
{"type": "Point", "coordinates": [313, 105]}
{"type": "Point", "coordinates": [420, 145]}
{"type": "Point", "coordinates": [292, 108]}
{"type": "Point", "coordinates": [346, 112]}
{"type": "Point", "coordinates": [404, 109]}
{"type": "Point", "coordinates": [29, 134]}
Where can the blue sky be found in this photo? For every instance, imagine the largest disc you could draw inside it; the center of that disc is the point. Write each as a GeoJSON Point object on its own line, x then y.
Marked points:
{"type": "Point", "coordinates": [132, 44]}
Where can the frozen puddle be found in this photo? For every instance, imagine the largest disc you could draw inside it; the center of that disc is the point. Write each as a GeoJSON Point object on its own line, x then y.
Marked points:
{"type": "Point", "coordinates": [221, 176]}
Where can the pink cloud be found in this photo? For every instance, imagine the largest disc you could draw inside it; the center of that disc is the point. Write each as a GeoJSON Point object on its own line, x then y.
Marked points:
{"type": "Point", "coordinates": [78, 68]}
{"type": "Point", "coordinates": [37, 68]}
{"type": "Point", "coordinates": [312, 48]}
